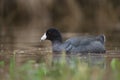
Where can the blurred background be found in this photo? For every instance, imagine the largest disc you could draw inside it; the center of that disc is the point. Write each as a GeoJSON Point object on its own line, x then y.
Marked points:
{"type": "Point", "coordinates": [26, 20]}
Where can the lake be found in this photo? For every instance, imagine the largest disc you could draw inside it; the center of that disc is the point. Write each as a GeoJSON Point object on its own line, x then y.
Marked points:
{"type": "Point", "coordinates": [40, 52]}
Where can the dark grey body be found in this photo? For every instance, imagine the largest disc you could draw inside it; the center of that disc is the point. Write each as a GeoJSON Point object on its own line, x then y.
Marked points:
{"type": "Point", "coordinates": [81, 45]}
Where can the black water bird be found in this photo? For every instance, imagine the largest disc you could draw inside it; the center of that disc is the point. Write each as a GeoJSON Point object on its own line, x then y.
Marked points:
{"type": "Point", "coordinates": [81, 44]}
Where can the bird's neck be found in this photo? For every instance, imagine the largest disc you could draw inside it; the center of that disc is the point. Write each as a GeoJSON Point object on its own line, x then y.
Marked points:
{"type": "Point", "coordinates": [56, 46]}
{"type": "Point", "coordinates": [57, 42]}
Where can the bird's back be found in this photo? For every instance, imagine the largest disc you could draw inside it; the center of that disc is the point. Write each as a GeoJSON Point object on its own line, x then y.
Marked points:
{"type": "Point", "coordinates": [85, 44]}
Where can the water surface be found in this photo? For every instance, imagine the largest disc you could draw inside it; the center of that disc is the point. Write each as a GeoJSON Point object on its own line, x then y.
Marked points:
{"type": "Point", "coordinates": [42, 51]}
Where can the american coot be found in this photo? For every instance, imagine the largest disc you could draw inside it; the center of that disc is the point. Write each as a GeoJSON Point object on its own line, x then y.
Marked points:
{"type": "Point", "coordinates": [83, 44]}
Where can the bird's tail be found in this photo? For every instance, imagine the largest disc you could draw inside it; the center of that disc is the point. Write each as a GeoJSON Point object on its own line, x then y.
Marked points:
{"type": "Point", "coordinates": [101, 38]}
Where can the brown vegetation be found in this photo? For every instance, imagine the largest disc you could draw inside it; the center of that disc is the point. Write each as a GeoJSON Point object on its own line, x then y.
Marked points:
{"type": "Point", "coordinates": [18, 17]}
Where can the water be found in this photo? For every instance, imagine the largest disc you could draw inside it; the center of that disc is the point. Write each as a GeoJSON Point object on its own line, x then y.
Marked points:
{"type": "Point", "coordinates": [40, 52]}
